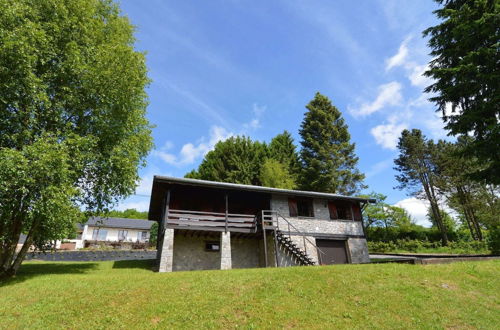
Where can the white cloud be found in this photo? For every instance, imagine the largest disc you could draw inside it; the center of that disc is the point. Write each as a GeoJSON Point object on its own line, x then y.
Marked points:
{"type": "Point", "coordinates": [255, 121]}
{"type": "Point", "coordinates": [190, 152]}
{"type": "Point", "coordinates": [400, 57]}
{"type": "Point", "coordinates": [416, 75]}
{"type": "Point", "coordinates": [388, 95]}
{"type": "Point", "coordinates": [417, 209]}
{"type": "Point", "coordinates": [387, 135]}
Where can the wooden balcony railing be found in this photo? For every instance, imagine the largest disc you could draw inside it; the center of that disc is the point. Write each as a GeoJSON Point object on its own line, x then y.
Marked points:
{"type": "Point", "coordinates": [187, 219]}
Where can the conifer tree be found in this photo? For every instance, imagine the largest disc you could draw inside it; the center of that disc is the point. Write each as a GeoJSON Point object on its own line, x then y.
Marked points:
{"type": "Point", "coordinates": [327, 155]}
{"type": "Point", "coordinates": [282, 149]}
{"type": "Point", "coordinates": [236, 160]}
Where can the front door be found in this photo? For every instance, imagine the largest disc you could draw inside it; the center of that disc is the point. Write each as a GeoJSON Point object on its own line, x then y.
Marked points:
{"type": "Point", "coordinates": [334, 251]}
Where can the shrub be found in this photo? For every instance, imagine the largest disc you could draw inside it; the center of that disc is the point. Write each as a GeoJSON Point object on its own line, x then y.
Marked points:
{"type": "Point", "coordinates": [494, 240]}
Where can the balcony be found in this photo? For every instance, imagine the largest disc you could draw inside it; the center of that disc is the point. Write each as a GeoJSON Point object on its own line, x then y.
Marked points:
{"type": "Point", "coordinates": [211, 221]}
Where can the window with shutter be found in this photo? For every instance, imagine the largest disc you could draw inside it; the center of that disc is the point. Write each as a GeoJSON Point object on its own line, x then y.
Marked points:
{"type": "Point", "coordinates": [292, 207]}
{"type": "Point", "coordinates": [333, 210]}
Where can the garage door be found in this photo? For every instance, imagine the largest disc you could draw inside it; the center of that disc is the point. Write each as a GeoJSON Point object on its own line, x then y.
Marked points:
{"type": "Point", "coordinates": [334, 251]}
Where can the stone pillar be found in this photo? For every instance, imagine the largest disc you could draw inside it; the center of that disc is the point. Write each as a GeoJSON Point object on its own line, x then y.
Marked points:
{"type": "Point", "coordinates": [167, 252]}
{"type": "Point", "coordinates": [225, 250]}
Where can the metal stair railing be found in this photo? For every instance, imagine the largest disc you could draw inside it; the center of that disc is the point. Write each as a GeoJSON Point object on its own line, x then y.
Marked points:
{"type": "Point", "coordinates": [270, 220]}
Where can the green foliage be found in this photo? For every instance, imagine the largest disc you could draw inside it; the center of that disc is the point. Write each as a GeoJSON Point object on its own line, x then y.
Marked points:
{"type": "Point", "coordinates": [275, 174]}
{"type": "Point", "coordinates": [419, 246]}
{"type": "Point", "coordinates": [36, 192]}
{"type": "Point", "coordinates": [494, 240]}
{"type": "Point", "coordinates": [418, 172]}
{"type": "Point", "coordinates": [153, 234]}
{"type": "Point", "coordinates": [237, 160]}
{"type": "Point", "coordinates": [128, 213]}
{"type": "Point", "coordinates": [465, 70]}
{"type": "Point", "coordinates": [282, 149]}
{"type": "Point", "coordinates": [72, 116]}
{"type": "Point", "coordinates": [328, 159]}
{"type": "Point", "coordinates": [447, 220]}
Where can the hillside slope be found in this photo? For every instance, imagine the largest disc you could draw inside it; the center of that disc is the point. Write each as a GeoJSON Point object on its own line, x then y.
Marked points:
{"type": "Point", "coordinates": [127, 294]}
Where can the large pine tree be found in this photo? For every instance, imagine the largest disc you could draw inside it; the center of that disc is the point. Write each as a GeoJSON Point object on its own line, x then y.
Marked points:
{"type": "Point", "coordinates": [465, 70]}
{"type": "Point", "coordinates": [327, 155]}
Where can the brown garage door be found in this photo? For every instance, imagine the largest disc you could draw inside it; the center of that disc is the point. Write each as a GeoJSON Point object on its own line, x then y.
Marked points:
{"type": "Point", "coordinates": [334, 251]}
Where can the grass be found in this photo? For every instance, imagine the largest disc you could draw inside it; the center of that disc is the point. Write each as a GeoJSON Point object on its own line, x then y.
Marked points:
{"type": "Point", "coordinates": [125, 294]}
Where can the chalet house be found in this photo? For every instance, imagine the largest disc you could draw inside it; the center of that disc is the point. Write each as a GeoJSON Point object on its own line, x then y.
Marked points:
{"type": "Point", "coordinates": [215, 225]}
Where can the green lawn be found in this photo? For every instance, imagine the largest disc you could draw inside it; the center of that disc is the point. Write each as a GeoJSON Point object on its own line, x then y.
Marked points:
{"type": "Point", "coordinates": [127, 294]}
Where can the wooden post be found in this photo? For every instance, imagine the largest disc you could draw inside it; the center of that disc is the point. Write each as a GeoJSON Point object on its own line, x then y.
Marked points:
{"type": "Point", "coordinates": [165, 214]}
{"type": "Point", "coordinates": [276, 248]}
{"type": "Point", "coordinates": [226, 211]}
{"type": "Point", "coordinates": [265, 238]}
{"type": "Point", "coordinates": [305, 246]}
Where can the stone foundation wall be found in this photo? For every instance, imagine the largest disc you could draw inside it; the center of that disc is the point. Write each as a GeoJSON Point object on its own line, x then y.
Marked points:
{"type": "Point", "coordinates": [358, 249]}
{"type": "Point", "coordinates": [189, 253]}
{"type": "Point", "coordinates": [245, 253]}
{"type": "Point", "coordinates": [92, 255]}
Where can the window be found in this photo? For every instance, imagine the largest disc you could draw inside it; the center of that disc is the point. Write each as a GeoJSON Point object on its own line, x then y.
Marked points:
{"type": "Point", "coordinates": [99, 234]}
{"type": "Point", "coordinates": [340, 210]}
{"type": "Point", "coordinates": [142, 236]}
{"type": "Point", "coordinates": [305, 208]}
{"type": "Point", "coordinates": [344, 211]}
{"type": "Point", "coordinates": [122, 235]}
{"type": "Point", "coordinates": [212, 246]}
{"type": "Point", "coordinates": [302, 207]}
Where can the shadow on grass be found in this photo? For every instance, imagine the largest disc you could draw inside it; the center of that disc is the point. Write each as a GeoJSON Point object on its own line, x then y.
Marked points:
{"type": "Point", "coordinates": [141, 264]}
{"type": "Point", "coordinates": [31, 270]}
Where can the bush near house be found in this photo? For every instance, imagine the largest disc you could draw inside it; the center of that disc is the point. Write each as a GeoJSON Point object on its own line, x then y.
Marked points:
{"type": "Point", "coordinates": [417, 246]}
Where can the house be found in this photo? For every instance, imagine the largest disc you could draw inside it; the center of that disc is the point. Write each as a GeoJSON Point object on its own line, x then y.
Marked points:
{"type": "Point", "coordinates": [215, 225]}
{"type": "Point", "coordinates": [103, 229]}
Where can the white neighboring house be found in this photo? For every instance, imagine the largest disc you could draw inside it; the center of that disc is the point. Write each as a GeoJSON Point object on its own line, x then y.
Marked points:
{"type": "Point", "coordinates": [113, 230]}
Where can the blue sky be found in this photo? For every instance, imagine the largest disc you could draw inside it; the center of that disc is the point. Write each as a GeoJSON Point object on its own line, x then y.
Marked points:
{"type": "Point", "coordinates": [221, 68]}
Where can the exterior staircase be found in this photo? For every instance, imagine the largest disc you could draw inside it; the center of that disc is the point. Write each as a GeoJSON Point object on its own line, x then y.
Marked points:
{"type": "Point", "coordinates": [287, 243]}
{"type": "Point", "coordinates": [283, 238]}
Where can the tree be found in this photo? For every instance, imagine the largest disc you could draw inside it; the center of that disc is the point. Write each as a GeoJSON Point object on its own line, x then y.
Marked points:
{"type": "Point", "coordinates": [73, 130]}
{"type": "Point", "coordinates": [418, 172]}
{"type": "Point", "coordinates": [275, 174]}
{"type": "Point", "coordinates": [455, 184]}
{"type": "Point", "coordinates": [383, 215]}
{"type": "Point", "coordinates": [448, 221]}
{"type": "Point", "coordinates": [466, 71]}
{"type": "Point", "coordinates": [282, 149]}
{"type": "Point", "coordinates": [237, 160]}
{"type": "Point", "coordinates": [327, 155]}
{"type": "Point", "coordinates": [128, 214]}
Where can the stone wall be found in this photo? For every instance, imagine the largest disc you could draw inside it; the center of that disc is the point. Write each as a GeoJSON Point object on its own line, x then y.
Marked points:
{"type": "Point", "coordinates": [92, 255]}
{"type": "Point", "coordinates": [358, 250]}
{"type": "Point", "coordinates": [245, 253]}
{"type": "Point", "coordinates": [322, 227]}
{"type": "Point", "coordinates": [189, 253]}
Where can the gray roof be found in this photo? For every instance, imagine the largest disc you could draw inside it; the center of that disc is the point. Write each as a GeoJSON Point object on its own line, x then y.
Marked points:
{"type": "Point", "coordinates": [226, 185]}
{"type": "Point", "coordinates": [120, 223]}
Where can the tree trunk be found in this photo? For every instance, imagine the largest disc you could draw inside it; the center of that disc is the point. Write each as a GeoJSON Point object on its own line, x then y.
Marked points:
{"type": "Point", "coordinates": [469, 217]}
{"type": "Point", "coordinates": [473, 216]}
{"type": "Point", "coordinates": [431, 197]}
{"type": "Point", "coordinates": [11, 265]}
